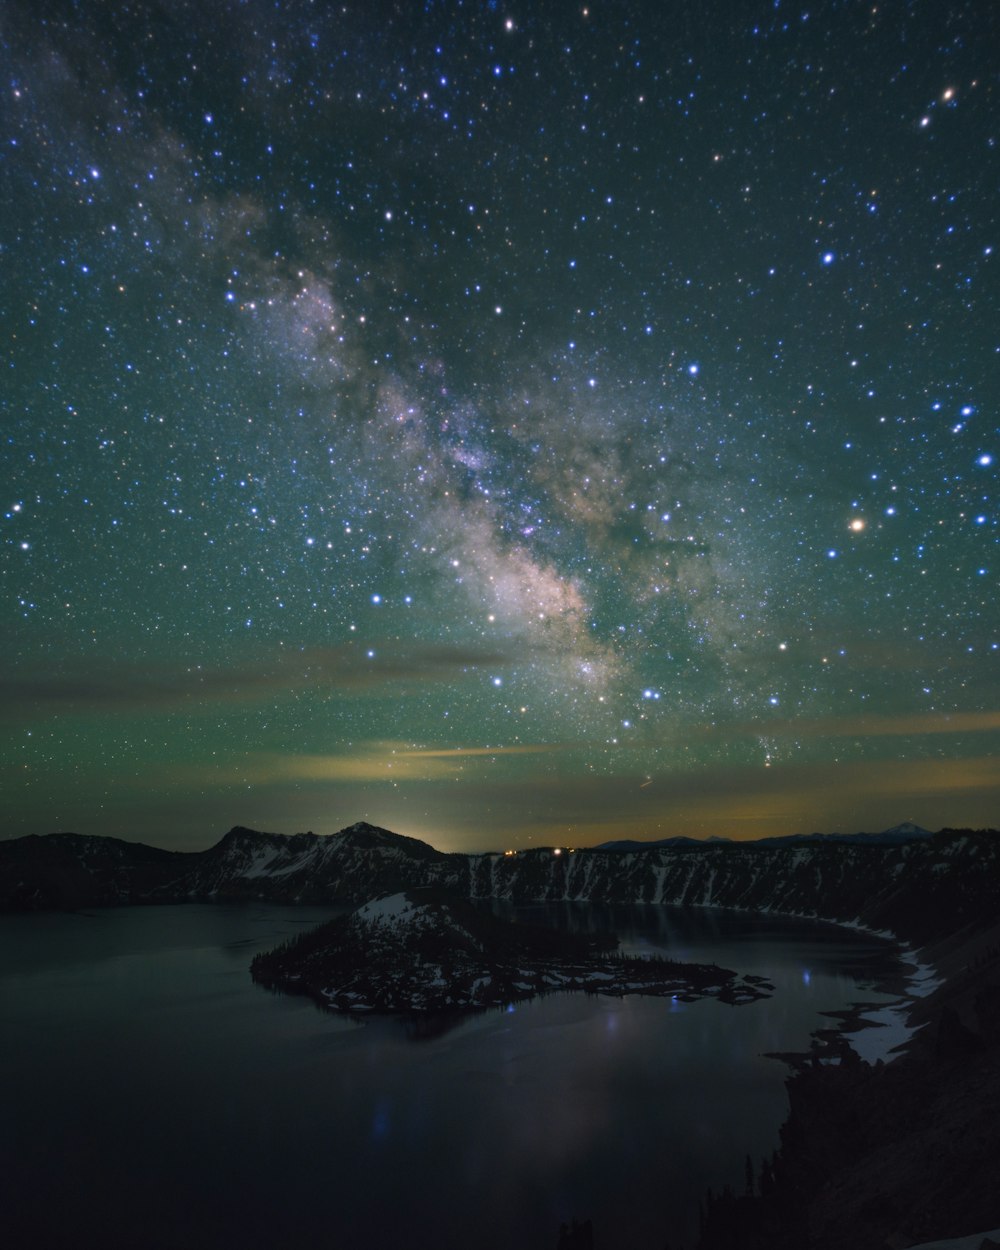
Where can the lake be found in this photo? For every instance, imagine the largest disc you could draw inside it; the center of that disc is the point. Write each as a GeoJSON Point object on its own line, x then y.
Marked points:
{"type": "Point", "coordinates": [155, 1097]}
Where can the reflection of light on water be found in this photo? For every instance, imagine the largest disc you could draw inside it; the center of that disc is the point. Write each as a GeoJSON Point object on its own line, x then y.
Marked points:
{"type": "Point", "coordinates": [380, 1121]}
{"type": "Point", "coordinates": [806, 976]}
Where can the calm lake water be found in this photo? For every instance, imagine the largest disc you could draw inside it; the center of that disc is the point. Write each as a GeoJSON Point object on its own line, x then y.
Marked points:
{"type": "Point", "coordinates": [155, 1097]}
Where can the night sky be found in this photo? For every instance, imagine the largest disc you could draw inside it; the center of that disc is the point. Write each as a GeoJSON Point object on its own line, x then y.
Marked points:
{"type": "Point", "coordinates": [506, 423]}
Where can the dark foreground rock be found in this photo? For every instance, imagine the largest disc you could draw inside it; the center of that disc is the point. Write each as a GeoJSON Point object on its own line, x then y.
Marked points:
{"type": "Point", "coordinates": [426, 952]}
{"type": "Point", "coordinates": [890, 1156]}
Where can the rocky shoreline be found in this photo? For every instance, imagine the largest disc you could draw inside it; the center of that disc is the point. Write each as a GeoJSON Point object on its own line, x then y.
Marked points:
{"type": "Point", "coordinates": [887, 1155]}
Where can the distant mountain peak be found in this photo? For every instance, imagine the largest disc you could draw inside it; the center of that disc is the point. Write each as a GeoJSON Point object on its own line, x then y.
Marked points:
{"type": "Point", "coordinates": [240, 835]}
{"type": "Point", "coordinates": [908, 829]}
{"type": "Point", "coordinates": [898, 835]}
{"type": "Point", "coordinates": [364, 827]}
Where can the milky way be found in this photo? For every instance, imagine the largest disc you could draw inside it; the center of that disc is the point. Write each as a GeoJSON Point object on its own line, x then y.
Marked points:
{"type": "Point", "coordinates": [499, 422]}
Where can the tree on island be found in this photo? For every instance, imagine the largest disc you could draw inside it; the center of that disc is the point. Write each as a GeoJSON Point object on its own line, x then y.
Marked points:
{"type": "Point", "coordinates": [576, 1236]}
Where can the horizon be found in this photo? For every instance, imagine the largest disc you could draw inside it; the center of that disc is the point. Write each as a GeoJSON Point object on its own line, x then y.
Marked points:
{"type": "Point", "coordinates": [500, 850]}
{"type": "Point", "coordinates": [553, 426]}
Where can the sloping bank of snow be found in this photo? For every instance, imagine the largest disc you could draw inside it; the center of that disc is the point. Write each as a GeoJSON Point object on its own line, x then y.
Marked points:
{"type": "Point", "coordinates": [973, 1242]}
{"type": "Point", "coordinates": [892, 1029]}
{"type": "Point", "coordinates": [387, 909]}
{"type": "Point", "coordinates": [890, 1020]}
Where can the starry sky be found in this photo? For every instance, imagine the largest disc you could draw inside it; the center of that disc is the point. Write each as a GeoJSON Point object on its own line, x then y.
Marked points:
{"type": "Point", "coordinates": [509, 423]}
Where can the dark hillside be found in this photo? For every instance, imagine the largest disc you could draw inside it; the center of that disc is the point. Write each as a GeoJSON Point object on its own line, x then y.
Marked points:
{"type": "Point", "coordinates": [890, 1156]}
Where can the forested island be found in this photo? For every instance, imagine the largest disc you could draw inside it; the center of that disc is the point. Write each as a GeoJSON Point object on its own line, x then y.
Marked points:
{"type": "Point", "coordinates": [425, 952]}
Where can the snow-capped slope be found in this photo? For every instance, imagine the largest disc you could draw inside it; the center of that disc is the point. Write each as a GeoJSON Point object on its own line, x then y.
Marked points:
{"type": "Point", "coordinates": [356, 864]}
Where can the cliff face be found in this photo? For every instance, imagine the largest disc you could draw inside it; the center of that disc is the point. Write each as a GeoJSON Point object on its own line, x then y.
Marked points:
{"type": "Point", "coordinates": [919, 890]}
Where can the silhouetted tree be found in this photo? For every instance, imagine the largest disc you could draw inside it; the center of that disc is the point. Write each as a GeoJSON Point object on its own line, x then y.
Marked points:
{"type": "Point", "coordinates": [576, 1236]}
{"type": "Point", "coordinates": [766, 1182]}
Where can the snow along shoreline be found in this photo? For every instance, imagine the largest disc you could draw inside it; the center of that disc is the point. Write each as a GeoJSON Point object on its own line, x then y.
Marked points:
{"type": "Point", "coordinates": [890, 1029]}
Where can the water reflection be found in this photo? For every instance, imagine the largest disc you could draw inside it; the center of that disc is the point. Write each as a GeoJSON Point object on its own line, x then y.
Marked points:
{"type": "Point", "coordinates": [246, 1119]}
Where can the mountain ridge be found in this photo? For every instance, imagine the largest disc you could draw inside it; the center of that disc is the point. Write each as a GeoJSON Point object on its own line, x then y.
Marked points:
{"type": "Point", "coordinates": [907, 831]}
{"type": "Point", "coordinates": [915, 885]}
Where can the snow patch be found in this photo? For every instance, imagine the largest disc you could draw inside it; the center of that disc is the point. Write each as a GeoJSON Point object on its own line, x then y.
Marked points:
{"type": "Point", "coordinates": [960, 1243]}
{"type": "Point", "coordinates": [391, 907]}
{"type": "Point", "coordinates": [924, 981]}
{"type": "Point", "coordinates": [878, 1043]}
{"type": "Point", "coordinates": [260, 862]}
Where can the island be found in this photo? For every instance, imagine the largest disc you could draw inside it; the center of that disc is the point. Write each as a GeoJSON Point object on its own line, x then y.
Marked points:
{"type": "Point", "coordinates": [426, 952]}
